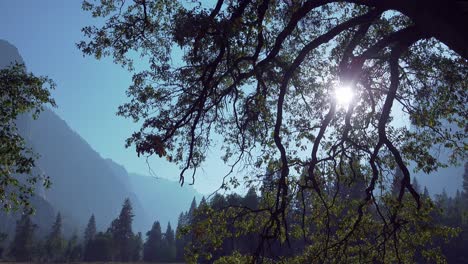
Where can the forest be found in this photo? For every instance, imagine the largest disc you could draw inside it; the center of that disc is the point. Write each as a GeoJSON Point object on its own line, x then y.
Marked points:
{"type": "Point", "coordinates": [325, 114]}
{"type": "Point", "coordinates": [119, 243]}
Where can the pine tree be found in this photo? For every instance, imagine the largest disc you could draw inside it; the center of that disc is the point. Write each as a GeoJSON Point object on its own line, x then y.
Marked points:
{"type": "Point", "coordinates": [416, 185]}
{"type": "Point", "coordinates": [73, 252]}
{"type": "Point", "coordinates": [55, 242]}
{"type": "Point", "coordinates": [426, 193]}
{"type": "Point", "coordinates": [250, 200]}
{"type": "Point", "coordinates": [137, 247]}
{"type": "Point", "coordinates": [90, 230]}
{"type": "Point", "coordinates": [191, 211]}
{"type": "Point", "coordinates": [396, 183]}
{"type": "Point", "coordinates": [180, 238]}
{"type": "Point", "coordinates": [99, 248]}
{"type": "Point", "coordinates": [22, 246]}
{"type": "Point", "coordinates": [89, 235]}
{"type": "Point", "coordinates": [153, 245]}
{"type": "Point", "coordinates": [465, 186]}
{"type": "Point", "coordinates": [3, 237]}
{"type": "Point", "coordinates": [169, 244]}
{"type": "Point", "coordinates": [122, 234]}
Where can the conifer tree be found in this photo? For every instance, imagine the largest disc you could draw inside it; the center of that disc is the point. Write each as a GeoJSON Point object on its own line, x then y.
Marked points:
{"type": "Point", "coordinates": [416, 185]}
{"type": "Point", "coordinates": [73, 252]}
{"type": "Point", "coordinates": [396, 183]}
{"type": "Point", "coordinates": [99, 248]}
{"type": "Point", "coordinates": [90, 230]}
{"type": "Point", "coordinates": [169, 244]}
{"type": "Point", "coordinates": [122, 234]}
{"type": "Point", "coordinates": [137, 247]}
{"type": "Point", "coordinates": [153, 245]}
{"type": "Point", "coordinates": [22, 246]}
{"type": "Point", "coordinates": [191, 211]}
{"type": "Point", "coordinates": [251, 199]}
{"type": "Point", "coordinates": [3, 237]}
{"type": "Point", "coordinates": [426, 193]}
{"type": "Point", "coordinates": [89, 235]}
{"type": "Point", "coordinates": [465, 186]}
{"type": "Point", "coordinates": [55, 242]}
{"type": "Point", "coordinates": [180, 238]}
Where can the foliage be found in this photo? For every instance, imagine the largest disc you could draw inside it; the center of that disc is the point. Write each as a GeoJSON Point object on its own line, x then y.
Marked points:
{"type": "Point", "coordinates": [122, 234]}
{"type": "Point", "coordinates": [153, 244]}
{"type": "Point", "coordinates": [90, 231]}
{"type": "Point", "coordinates": [99, 249]}
{"type": "Point", "coordinates": [261, 75]}
{"type": "Point", "coordinates": [168, 249]}
{"type": "Point", "coordinates": [55, 243]}
{"type": "Point", "coordinates": [20, 93]}
{"type": "Point", "coordinates": [74, 250]}
{"type": "Point", "coordinates": [3, 237]}
{"type": "Point", "coordinates": [22, 246]}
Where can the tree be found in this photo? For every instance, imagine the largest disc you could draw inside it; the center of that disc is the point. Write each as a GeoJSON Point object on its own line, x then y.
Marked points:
{"type": "Point", "coordinates": [99, 248]}
{"type": "Point", "coordinates": [90, 230]}
{"type": "Point", "coordinates": [465, 186]}
{"type": "Point", "coordinates": [192, 209]}
{"type": "Point", "coordinates": [264, 75]}
{"type": "Point", "coordinates": [152, 249]}
{"type": "Point", "coordinates": [22, 246]}
{"type": "Point", "coordinates": [416, 185]}
{"type": "Point", "coordinates": [73, 251]}
{"type": "Point", "coordinates": [89, 235]}
{"type": "Point", "coordinates": [137, 247]}
{"type": "Point", "coordinates": [20, 93]}
{"type": "Point", "coordinates": [122, 234]}
{"type": "Point", "coordinates": [180, 237]}
{"type": "Point", "coordinates": [55, 244]}
{"type": "Point", "coordinates": [169, 247]}
{"type": "Point", "coordinates": [426, 193]}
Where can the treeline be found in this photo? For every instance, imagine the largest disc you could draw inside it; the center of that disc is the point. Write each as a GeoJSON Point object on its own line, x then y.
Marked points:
{"type": "Point", "coordinates": [199, 236]}
{"type": "Point", "coordinates": [118, 243]}
{"type": "Point", "coordinates": [216, 231]}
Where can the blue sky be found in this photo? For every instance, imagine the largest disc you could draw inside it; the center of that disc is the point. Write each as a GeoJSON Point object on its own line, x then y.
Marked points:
{"type": "Point", "coordinates": [88, 91]}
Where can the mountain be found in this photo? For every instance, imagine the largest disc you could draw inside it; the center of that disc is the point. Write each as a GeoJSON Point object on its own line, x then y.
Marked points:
{"type": "Point", "coordinates": [154, 194]}
{"type": "Point", "coordinates": [163, 199]}
{"type": "Point", "coordinates": [45, 212]}
{"type": "Point", "coordinates": [83, 182]}
{"type": "Point", "coordinates": [8, 54]}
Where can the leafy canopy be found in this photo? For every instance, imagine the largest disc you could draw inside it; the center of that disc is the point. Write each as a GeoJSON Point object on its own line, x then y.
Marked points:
{"type": "Point", "coordinates": [20, 93]}
{"type": "Point", "coordinates": [261, 75]}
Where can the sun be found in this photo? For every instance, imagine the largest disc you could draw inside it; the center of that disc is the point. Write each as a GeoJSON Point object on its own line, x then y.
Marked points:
{"type": "Point", "coordinates": [344, 95]}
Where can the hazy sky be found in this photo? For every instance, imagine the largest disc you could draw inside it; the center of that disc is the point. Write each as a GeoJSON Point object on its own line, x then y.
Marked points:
{"type": "Point", "coordinates": [88, 91]}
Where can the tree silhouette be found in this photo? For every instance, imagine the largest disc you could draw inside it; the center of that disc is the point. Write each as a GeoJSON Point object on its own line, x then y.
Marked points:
{"type": "Point", "coordinates": [74, 250]}
{"type": "Point", "coordinates": [122, 234]}
{"type": "Point", "coordinates": [55, 244]}
{"type": "Point", "coordinates": [20, 93]}
{"type": "Point", "coordinates": [169, 249]}
{"type": "Point", "coordinates": [99, 248]}
{"type": "Point", "coordinates": [22, 246]}
{"type": "Point", "coordinates": [465, 186]}
{"type": "Point", "coordinates": [152, 249]}
{"type": "Point", "coordinates": [90, 231]}
{"type": "Point", "coordinates": [180, 237]}
{"type": "Point", "coordinates": [264, 75]}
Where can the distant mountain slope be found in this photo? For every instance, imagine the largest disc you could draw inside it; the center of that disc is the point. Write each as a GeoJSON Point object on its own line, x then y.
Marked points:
{"type": "Point", "coordinates": [8, 54]}
{"type": "Point", "coordinates": [45, 213]}
{"type": "Point", "coordinates": [163, 199]}
{"type": "Point", "coordinates": [83, 183]}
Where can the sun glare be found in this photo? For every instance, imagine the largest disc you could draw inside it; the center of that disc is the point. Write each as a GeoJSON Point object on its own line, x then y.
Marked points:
{"type": "Point", "coordinates": [343, 95]}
